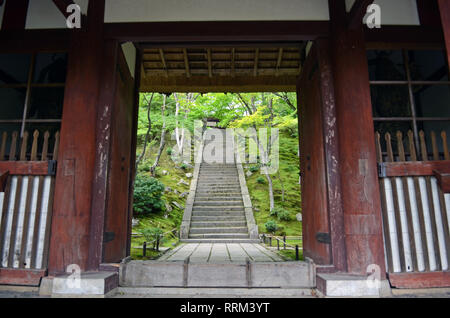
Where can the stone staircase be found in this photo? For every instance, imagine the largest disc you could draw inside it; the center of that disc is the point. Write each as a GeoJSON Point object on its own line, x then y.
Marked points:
{"type": "Point", "coordinates": [218, 212]}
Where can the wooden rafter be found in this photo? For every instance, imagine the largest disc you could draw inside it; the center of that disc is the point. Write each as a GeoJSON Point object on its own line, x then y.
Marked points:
{"type": "Point", "coordinates": [233, 62]}
{"type": "Point", "coordinates": [255, 70]}
{"type": "Point", "coordinates": [209, 63]}
{"type": "Point", "coordinates": [357, 13]}
{"type": "Point", "coordinates": [302, 56]}
{"type": "Point", "coordinates": [163, 60]}
{"type": "Point", "coordinates": [186, 63]}
{"type": "Point", "coordinates": [280, 59]}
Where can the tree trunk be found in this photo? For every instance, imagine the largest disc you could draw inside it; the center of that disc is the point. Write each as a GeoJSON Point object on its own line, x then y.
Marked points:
{"type": "Point", "coordinates": [163, 138]}
{"type": "Point", "coordinates": [147, 135]}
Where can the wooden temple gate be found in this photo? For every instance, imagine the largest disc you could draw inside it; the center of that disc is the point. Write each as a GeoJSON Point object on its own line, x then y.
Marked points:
{"type": "Point", "coordinates": [101, 97]}
{"type": "Point", "coordinates": [26, 203]}
{"type": "Point", "coordinates": [415, 193]}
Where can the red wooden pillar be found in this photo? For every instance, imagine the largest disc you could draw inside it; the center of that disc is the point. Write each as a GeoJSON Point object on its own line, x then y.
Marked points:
{"type": "Point", "coordinates": [71, 224]}
{"type": "Point", "coordinates": [359, 181]}
{"type": "Point", "coordinates": [444, 8]}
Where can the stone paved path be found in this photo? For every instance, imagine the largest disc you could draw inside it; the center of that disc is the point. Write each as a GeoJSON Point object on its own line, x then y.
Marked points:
{"type": "Point", "coordinates": [221, 253]}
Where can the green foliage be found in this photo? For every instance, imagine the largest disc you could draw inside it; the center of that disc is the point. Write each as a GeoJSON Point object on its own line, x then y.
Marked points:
{"type": "Point", "coordinates": [148, 193]}
{"type": "Point", "coordinates": [152, 233]}
{"type": "Point", "coordinates": [254, 169]}
{"type": "Point", "coordinates": [271, 226]}
{"type": "Point", "coordinates": [261, 180]}
{"type": "Point", "coordinates": [281, 214]}
{"type": "Point", "coordinates": [184, 166]}
{"type": "Point", "coordinates": [284, 215]}
{"type": "Point", "coordinates": [169, 151]}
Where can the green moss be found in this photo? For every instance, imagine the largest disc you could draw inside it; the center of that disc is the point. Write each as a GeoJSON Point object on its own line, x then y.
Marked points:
{"type": "Point", "coordinates": [289, 172]}
{"type": "Point", "coordinates": [166, 221]}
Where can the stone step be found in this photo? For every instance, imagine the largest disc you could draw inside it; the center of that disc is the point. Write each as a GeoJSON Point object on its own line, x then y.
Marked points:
{"type": "Point", "coordinates": [217, 184]}
{"type": "Point", "coordinates": [219, 235]}
{"type": "Point", "coordinates": [216, 223]}
{"type": "Point", "coordinates": [221, 230]}
{"type": "Point", "coordinates": [201, 188]}
{"type": "Point", "coordinates": [222, 194]}
{"type": "Point", "coordinates": [219, 213]}
{"type": "Point", "coordinates": [217, 218]}
{"type": "Point", "coordinates": [219, 203]}
{"type": "Point", "coordinates": [217, 192]}
{"type": "Point", "coordinates": [173, 292]}
{"type": "Point", "coordinates": [218, 209]}
{"type": "Point", "coordinates": [217, 198]}
{"type": "Point", "coordinates": [294, 275]}
{"type": "Point", "coordinates": [219, 240]}
{"type": "Point", "coordinates": [228, 179]}
{"type": "Point", "coordinates": [218, 171]}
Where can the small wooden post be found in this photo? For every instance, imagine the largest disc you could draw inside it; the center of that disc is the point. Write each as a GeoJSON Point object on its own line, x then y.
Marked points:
{"type": "Point", "coordinates": [296, 253]}
{"type": "Point", "coordinates": [144, 249]}
{"type": "Point", "coordinates": [270, 241]}
{"type": "Point", "coordinates": [157, 244]}
{"type": "Point", "coordinates": [278, 244]}
{"type": "Point", "coordinates": [264, 238]}
{"type": "Point", "coordinates": [284, 241]}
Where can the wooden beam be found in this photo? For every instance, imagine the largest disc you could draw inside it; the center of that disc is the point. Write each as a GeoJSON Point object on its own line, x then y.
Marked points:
{"type": "Point", "coordinates": [233, 60]}
{"type": "Point", "coordinates": [356, 14]}
{"type": "Point", "coordinates": [444, 8]}
{"type": "Point", "coordinates": [208, 52]}
{"type": "Point", "coordinates": [23, 277]}
{"type": "Point", "coordinates": [62, 6]}
{"type": "Point", "coordinates": [404, 36]}
{"type": "Point", "coordinates": [3, 179]}
{"type": "Point", "coordinates": [429, 13]}
{"type": "Point", "coordinates": [420, 280]}
{"type": "Point", "coordinates": [15, 15]}
{"type": "Point", "coordinates": [24, 41]}
{"type": "Point", "coordinates": [215, 44]}
{"type": "Point", "coordinates": [163, 61]}
{"type": "Point", "coordinates": [264, 31]}
{"type": "Point", "coordinates": [186, 63]}
{"type": "Point", "coordinates": [443, 180]}
{"type": "Point", "coordinates": [205, 84]}
{"type": "Point", "coordinates": [412, 168]}
{"type": "Point", "coordinates": [279, 60]}
{"type": "Point", "coordinates": [255, 70]}
{"type": "Point", "coordinates": [26, 168]}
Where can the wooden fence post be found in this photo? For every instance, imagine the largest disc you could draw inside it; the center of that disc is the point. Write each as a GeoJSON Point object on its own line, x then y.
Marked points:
{"type": "Point", "coordinates": [144, 249]}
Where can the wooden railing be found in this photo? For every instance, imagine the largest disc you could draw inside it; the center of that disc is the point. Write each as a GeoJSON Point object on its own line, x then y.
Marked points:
{"type": "Point", "coordinates": [415, 202]}
{"type": "Point", "coordinates": [281, 243]}
{"type": "Point", "coordinates": [26, 198]}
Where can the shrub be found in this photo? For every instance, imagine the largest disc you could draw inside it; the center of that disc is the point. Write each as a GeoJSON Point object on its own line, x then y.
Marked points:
{"type": "Point", "coordinates": [147, 195]}
{"type": "Point", "coordinates": [169, 151]}
{"type": "Point", "coordinates": [284, 215]}
{"type": "Point", "coordinates": [254, 169]}
{"type": "Point", "coordinates": [281, 213]}
{"type": "Point", "coordinates": [151, 234]}
{"type": "Point", "coordinates": [271, 226]}
{"type": "Point", "coordinates": [261, 180]}
{"type": "Point", "coordinates": [184, 166]}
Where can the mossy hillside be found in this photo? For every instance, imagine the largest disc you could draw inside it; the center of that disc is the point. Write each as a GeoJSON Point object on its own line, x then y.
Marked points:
{"type": "Point", "coordinates": [166, 221]}
{"type": "Point", "coordinates": [289, 172]}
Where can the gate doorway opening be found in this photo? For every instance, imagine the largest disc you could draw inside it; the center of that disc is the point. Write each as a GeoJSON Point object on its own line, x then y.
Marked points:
{"type": "Point", "coordinates": [214, 85]}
